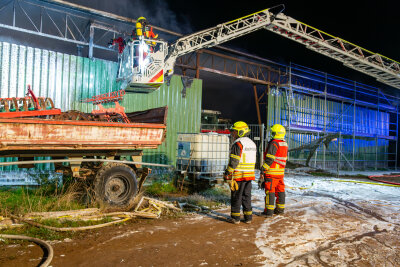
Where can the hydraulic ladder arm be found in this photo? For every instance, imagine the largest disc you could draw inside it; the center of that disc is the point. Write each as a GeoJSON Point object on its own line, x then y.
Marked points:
{"type": "Point", "coordinates": [218, 34]}
{"type": "Point", "coordinates": [382, 68]}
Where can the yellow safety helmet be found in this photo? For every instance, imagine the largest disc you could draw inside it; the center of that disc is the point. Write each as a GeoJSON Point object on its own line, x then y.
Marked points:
{"type": "Point", "coordinates": [141, 18]}
{"type": "Point", "coordinates": [278, 131]}
{"type": "Point", "coordinates": [241, 127]}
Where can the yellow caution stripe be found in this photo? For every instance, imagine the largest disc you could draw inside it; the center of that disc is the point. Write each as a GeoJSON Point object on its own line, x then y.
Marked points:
{"type": "Point", "coordinates": [235, 156]}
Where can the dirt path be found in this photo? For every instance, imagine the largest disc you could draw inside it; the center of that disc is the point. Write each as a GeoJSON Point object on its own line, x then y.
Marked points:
{"type": "Point", "coordinates": [327, 225]}
{"type": "Point", "coordinates": [189, 241]}
{"type": "Point", "coordinates": [208, 240]}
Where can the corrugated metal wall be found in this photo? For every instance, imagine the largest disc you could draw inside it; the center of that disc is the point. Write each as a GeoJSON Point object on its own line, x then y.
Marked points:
{"type": "Point", "coordinates": [308, 111]}
{"type": "Point", "coordinates": [184, 114]}
{"type": "Point", "coordinates": [67, 79]}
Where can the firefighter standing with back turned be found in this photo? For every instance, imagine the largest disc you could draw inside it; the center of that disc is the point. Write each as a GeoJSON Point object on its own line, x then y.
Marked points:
{"type": "Point", "coordinates": [240, 171]}
{"type": "Point", "coordinates": [272, 172]}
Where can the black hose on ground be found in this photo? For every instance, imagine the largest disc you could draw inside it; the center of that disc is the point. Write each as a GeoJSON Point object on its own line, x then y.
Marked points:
{"type": "Point", "coordinates": [43, 244]}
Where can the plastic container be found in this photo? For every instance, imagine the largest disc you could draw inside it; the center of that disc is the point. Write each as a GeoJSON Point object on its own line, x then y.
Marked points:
{"type": "Point", "coordinates": [203, 153]}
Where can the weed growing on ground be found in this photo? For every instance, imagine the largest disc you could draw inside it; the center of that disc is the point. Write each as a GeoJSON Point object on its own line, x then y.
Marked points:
{"type": "Point", "coordinates": [160, 188]}
{"type": "Point", "coordinates": [63, 223]}
{"type": "Point", "coordinates": [24, 200]}
{"type": "Point", "coordinates": [41, 233]}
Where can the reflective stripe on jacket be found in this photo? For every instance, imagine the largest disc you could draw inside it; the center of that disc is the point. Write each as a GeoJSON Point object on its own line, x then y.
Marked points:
{"type": "Point", "coordinates": [242, 159]}
{"type": "Point", "coordinates": [248, 156]}
{"type": "Point", "coordinates": [275, 159]}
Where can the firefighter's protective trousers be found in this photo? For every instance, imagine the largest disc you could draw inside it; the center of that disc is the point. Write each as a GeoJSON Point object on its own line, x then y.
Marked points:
{"type": "Point", "coordinates": [241, 165]}
{"type": "Point", "coordinates": [241, 197]}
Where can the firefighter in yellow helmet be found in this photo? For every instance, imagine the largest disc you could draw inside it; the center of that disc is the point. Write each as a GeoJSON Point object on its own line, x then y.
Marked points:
{"type": "Point", "coordinates": [140, 27]}
{"type": "Point", "coordinates": [240, 171]}
{"type": "Point", "coordinates": [272, 171]}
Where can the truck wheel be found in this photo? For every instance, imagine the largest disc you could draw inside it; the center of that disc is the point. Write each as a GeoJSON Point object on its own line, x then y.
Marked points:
{"type": "Point", "coordinates": [115, 185]}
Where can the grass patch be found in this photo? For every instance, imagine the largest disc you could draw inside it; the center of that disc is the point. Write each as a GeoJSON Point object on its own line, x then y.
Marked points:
{"type": "Point", "coordinates": [48, 196]}
{"type": "Point", "coordinates": [211, 198]}
{"type": "Point", "coordinates": [61, 223]}
{"type": "Point", "coordinates": [161, 188]}
{"type": "Point", "coordinates": [41, 233]}
{"type": "Point", "coordinates": [25, 200]}
{"type": "Point", "coordinates": [354, 176]}
{"type": "Point", "coordinates": [320, 173]}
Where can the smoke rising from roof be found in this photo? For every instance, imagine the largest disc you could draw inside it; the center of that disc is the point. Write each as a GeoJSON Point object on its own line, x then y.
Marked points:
{"type": "Point", "coordinates": [157, 12]}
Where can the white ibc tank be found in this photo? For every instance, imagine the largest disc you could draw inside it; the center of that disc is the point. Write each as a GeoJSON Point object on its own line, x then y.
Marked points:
{"type": "Point", "coordinates": [203, 152]}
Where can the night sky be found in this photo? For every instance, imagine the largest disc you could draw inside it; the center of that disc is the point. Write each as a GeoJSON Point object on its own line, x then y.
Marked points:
{"type": "Point", "coordinates": [372, 25]}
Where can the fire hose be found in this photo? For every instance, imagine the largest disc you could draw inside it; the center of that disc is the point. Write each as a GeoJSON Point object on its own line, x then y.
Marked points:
{"type": "Point", "coordinates": [43, 244]}
{"type": "Point", "coordinates": [373, 178]}
{"type": "Point", "coordinates": [126, 217]}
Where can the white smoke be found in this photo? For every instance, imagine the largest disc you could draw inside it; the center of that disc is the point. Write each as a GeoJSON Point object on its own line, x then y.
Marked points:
{"type": "Point", "coordinates": [157, 12]}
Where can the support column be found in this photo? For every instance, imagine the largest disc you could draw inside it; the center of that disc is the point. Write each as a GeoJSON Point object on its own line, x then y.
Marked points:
{"type": "Point", "coordinates": [91, 38]}
{"type": "Point", "coordinates": [197, 65]}
{"type": "Point", "coordinates": [266, 105]}
{"type": "Point", "coordinates": [257, 104]}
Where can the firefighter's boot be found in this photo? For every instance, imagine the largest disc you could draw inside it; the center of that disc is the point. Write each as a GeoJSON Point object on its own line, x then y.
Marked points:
{"type": "Point", "coordinates": [268, 212]}
{"type": "Point", "coordinates": [280, 203]}
{"type": "Point", "coordinates": [269, 204]}
{"type": "Point", "coordinates": [279, 211]}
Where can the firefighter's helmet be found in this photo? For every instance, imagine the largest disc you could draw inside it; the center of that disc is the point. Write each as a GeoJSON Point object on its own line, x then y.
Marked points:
{"type": "Point", "coordinates": [278, 131]}
{"type": "Point", "coordinates": [241, 127]}
{"type": "Point", "coordinates": [141, 19]}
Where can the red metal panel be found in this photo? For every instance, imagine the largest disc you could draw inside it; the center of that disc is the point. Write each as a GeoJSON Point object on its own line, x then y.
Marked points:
{"type": "Point", "coordinates": [46, 134]}
{"type": "Point", "coordinates": [84, 123]}
{"type": "Point", "coordinates": [32, 113]}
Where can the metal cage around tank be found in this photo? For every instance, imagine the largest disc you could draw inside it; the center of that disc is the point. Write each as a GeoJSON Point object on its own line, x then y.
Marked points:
{"type": "Point", "coordinates": [203, 155]}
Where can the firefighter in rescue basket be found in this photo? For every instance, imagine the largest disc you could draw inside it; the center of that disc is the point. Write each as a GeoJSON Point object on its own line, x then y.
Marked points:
{"type": "Point", "coordinates": [272, 172]}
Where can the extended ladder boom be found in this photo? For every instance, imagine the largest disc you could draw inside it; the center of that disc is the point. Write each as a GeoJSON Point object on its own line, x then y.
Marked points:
{"type": "Point", "coordinates": [384, 69]}
{"type": "Point", "coordinates": [218, 34]}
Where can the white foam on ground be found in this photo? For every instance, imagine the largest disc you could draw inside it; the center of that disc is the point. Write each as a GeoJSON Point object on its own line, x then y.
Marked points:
{"type": "Point", "coordinates": [320, 210]}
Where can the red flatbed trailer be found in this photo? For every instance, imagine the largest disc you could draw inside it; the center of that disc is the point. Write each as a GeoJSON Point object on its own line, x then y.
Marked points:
{"type": "Point", "coordinates": [87, 145]}
{"type": "Point", "coordinates": [32, 134]}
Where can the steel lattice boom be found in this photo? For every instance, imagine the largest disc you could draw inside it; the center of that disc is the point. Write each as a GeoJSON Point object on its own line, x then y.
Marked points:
{"type": "Point", "coordinates": [382, 68]}
{"type": "Point", "coordinates": [218, 34]}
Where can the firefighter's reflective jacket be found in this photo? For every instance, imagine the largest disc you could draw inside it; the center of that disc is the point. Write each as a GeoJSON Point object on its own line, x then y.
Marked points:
{"type": "Point", "coordinates": [149, 34]}
{"type": "Point", "coordinates": [242, 159]}
{"type": "Point", "coordinates": [275, 158]}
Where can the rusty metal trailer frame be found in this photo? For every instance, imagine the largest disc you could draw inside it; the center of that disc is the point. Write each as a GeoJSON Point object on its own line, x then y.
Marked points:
{"type": "Point", "coordinates": [86, 145]}
{"type": "Point", "coordinates": [84, 160]}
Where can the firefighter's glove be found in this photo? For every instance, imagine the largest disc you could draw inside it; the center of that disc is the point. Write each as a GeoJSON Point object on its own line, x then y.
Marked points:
{"type": "Point", "coordinates": [261, 183]}
{"type": "Point", "coordinates": [234, 185]}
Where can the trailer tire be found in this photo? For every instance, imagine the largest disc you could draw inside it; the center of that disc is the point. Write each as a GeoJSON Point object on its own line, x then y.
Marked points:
{"type": "Point", "coordinates": [115, 185]}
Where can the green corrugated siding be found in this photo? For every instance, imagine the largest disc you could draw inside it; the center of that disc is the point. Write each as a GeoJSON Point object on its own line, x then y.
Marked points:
{"type": "Point", "coordinates": [68, 79]}
{"type": "Point", "coordinates": [184, 114]}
